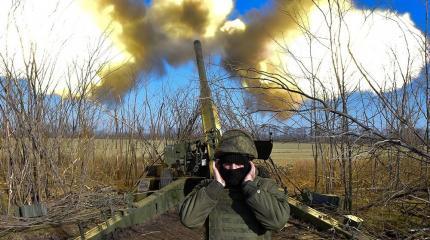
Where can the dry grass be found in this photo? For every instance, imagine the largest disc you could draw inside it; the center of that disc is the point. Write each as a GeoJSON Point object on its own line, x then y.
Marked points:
{"type": "Point", "coordinates": [378, 196]}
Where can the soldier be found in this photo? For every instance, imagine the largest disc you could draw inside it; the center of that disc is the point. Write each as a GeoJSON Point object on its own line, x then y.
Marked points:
{"type": "Point", "coordinates": [238, 203]}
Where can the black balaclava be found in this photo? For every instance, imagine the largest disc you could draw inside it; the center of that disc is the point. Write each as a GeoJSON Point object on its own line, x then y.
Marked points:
{"type": "Point", "coordinates": [233, 177]}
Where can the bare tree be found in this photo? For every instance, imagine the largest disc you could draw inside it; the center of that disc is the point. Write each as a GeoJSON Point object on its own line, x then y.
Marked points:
{"type": "Point", "coordinates": [354, 131]}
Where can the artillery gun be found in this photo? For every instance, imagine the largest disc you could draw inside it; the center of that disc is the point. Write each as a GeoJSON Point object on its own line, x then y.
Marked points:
{"type": "Point", "coordinates": [189, 161]}
{"type": "Point", "coordinates": [193, 157]}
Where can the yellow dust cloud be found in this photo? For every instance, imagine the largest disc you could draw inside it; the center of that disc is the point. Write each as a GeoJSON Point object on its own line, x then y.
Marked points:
{"type": "Point", "coordinates": [115, 39]}
{"type": "Point", "coordinates": [151, 36]}
{"type": "Point", "coordinates": [185, 18]}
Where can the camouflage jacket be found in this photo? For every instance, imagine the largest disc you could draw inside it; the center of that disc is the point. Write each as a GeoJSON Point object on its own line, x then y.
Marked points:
{"type": "Point", "coordinates": [247, 213]}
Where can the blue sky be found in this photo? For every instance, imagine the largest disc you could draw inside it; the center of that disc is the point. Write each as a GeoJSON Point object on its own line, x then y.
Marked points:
{"type": "Point", "coordinates": [416, 8]}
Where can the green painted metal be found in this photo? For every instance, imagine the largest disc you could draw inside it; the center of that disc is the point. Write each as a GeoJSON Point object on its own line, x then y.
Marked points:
{"type": "Point", "coordinates": [144, 210]}
{"type": "Point", "coordinates": [314, 198]}
{"type": "Point", "coordinates": [322, 221]}
{"type": "Point", "coordinates": [171, 195]}
{"type": "Point", "coordinates": [175, 152]}
{"type": "Point", "coordinates": [352, 221]}
{"type": "Point", "coordinates": [208, 110]}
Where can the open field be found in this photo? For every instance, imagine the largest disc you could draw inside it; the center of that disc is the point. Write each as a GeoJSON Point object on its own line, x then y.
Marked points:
{"type": "Point", "coordinates": [287, 153]}
{"type": "Point", "coordinates": [282, 153]}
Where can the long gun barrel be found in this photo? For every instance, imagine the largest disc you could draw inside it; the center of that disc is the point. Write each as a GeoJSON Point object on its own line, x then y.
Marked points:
{"type": "Point", "coordinates": [209, 113]}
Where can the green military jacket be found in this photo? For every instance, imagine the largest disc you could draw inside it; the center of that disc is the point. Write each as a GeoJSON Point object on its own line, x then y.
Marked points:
{"type": "Point", "coordinates": [247, 213]}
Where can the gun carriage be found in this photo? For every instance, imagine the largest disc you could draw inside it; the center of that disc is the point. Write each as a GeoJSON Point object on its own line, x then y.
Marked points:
{"type": "Point", "coordinates": [186, 163]}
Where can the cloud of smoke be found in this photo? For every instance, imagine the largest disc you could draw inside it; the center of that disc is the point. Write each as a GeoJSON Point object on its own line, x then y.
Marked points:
{"type": "Point", "coordinates": [368, 50]}
{"type": "Point", "coordinates": [301, 40]}
{"type": "Point", "coordinates": [248, 48]}
{"type": "Point", "coordinates": [312, 44]}
{"type": "Point", "coordinates": [155, 35]}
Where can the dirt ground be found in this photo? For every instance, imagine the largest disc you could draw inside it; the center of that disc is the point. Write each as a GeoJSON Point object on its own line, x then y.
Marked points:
{"type": "Point", "coordinates": [168, 227]}
{"type": "Point", "coordinates": [164, 227]}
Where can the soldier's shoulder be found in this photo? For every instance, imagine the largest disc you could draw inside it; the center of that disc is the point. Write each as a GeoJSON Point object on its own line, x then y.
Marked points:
{"type": "Point", "coordinates": [264, 179]}
{"type": "Point", "coordinates": [268, 182]}
{"type": "Point", "coordinates": [270, 185]}
{"type": "Point", "coordinates": [204, 183]}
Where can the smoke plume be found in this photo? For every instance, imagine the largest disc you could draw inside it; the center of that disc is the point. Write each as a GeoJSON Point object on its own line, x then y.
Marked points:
{"type": "Point", "coordinates": [163, 33]}
{"type": "Point", "coordinates": [308, 43]}
{"type": "Point", "coordinates": [156, 35]}
{"type": "Point", "coordinates": [248, 48]}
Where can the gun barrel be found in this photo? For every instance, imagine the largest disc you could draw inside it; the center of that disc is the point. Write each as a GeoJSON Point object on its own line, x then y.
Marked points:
{"type": "Point", "coordinates": [209, 113]}
{"type": "Point", "coordinates": [204, 87]}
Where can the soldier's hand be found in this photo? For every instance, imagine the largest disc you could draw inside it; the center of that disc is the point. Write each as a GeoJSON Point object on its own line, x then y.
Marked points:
{"type": "Point", "coordinates": [251, 174]}
{"type": "Point", "coordinates": [217, 175]}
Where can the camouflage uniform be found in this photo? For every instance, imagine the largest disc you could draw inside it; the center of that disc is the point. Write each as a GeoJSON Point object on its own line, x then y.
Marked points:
{"type": "Point", "coordinates": [248, 212]}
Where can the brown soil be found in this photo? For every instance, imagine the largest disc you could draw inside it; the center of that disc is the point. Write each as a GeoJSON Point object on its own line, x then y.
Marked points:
{"type": "Point", "coordinates": [164, 227]}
